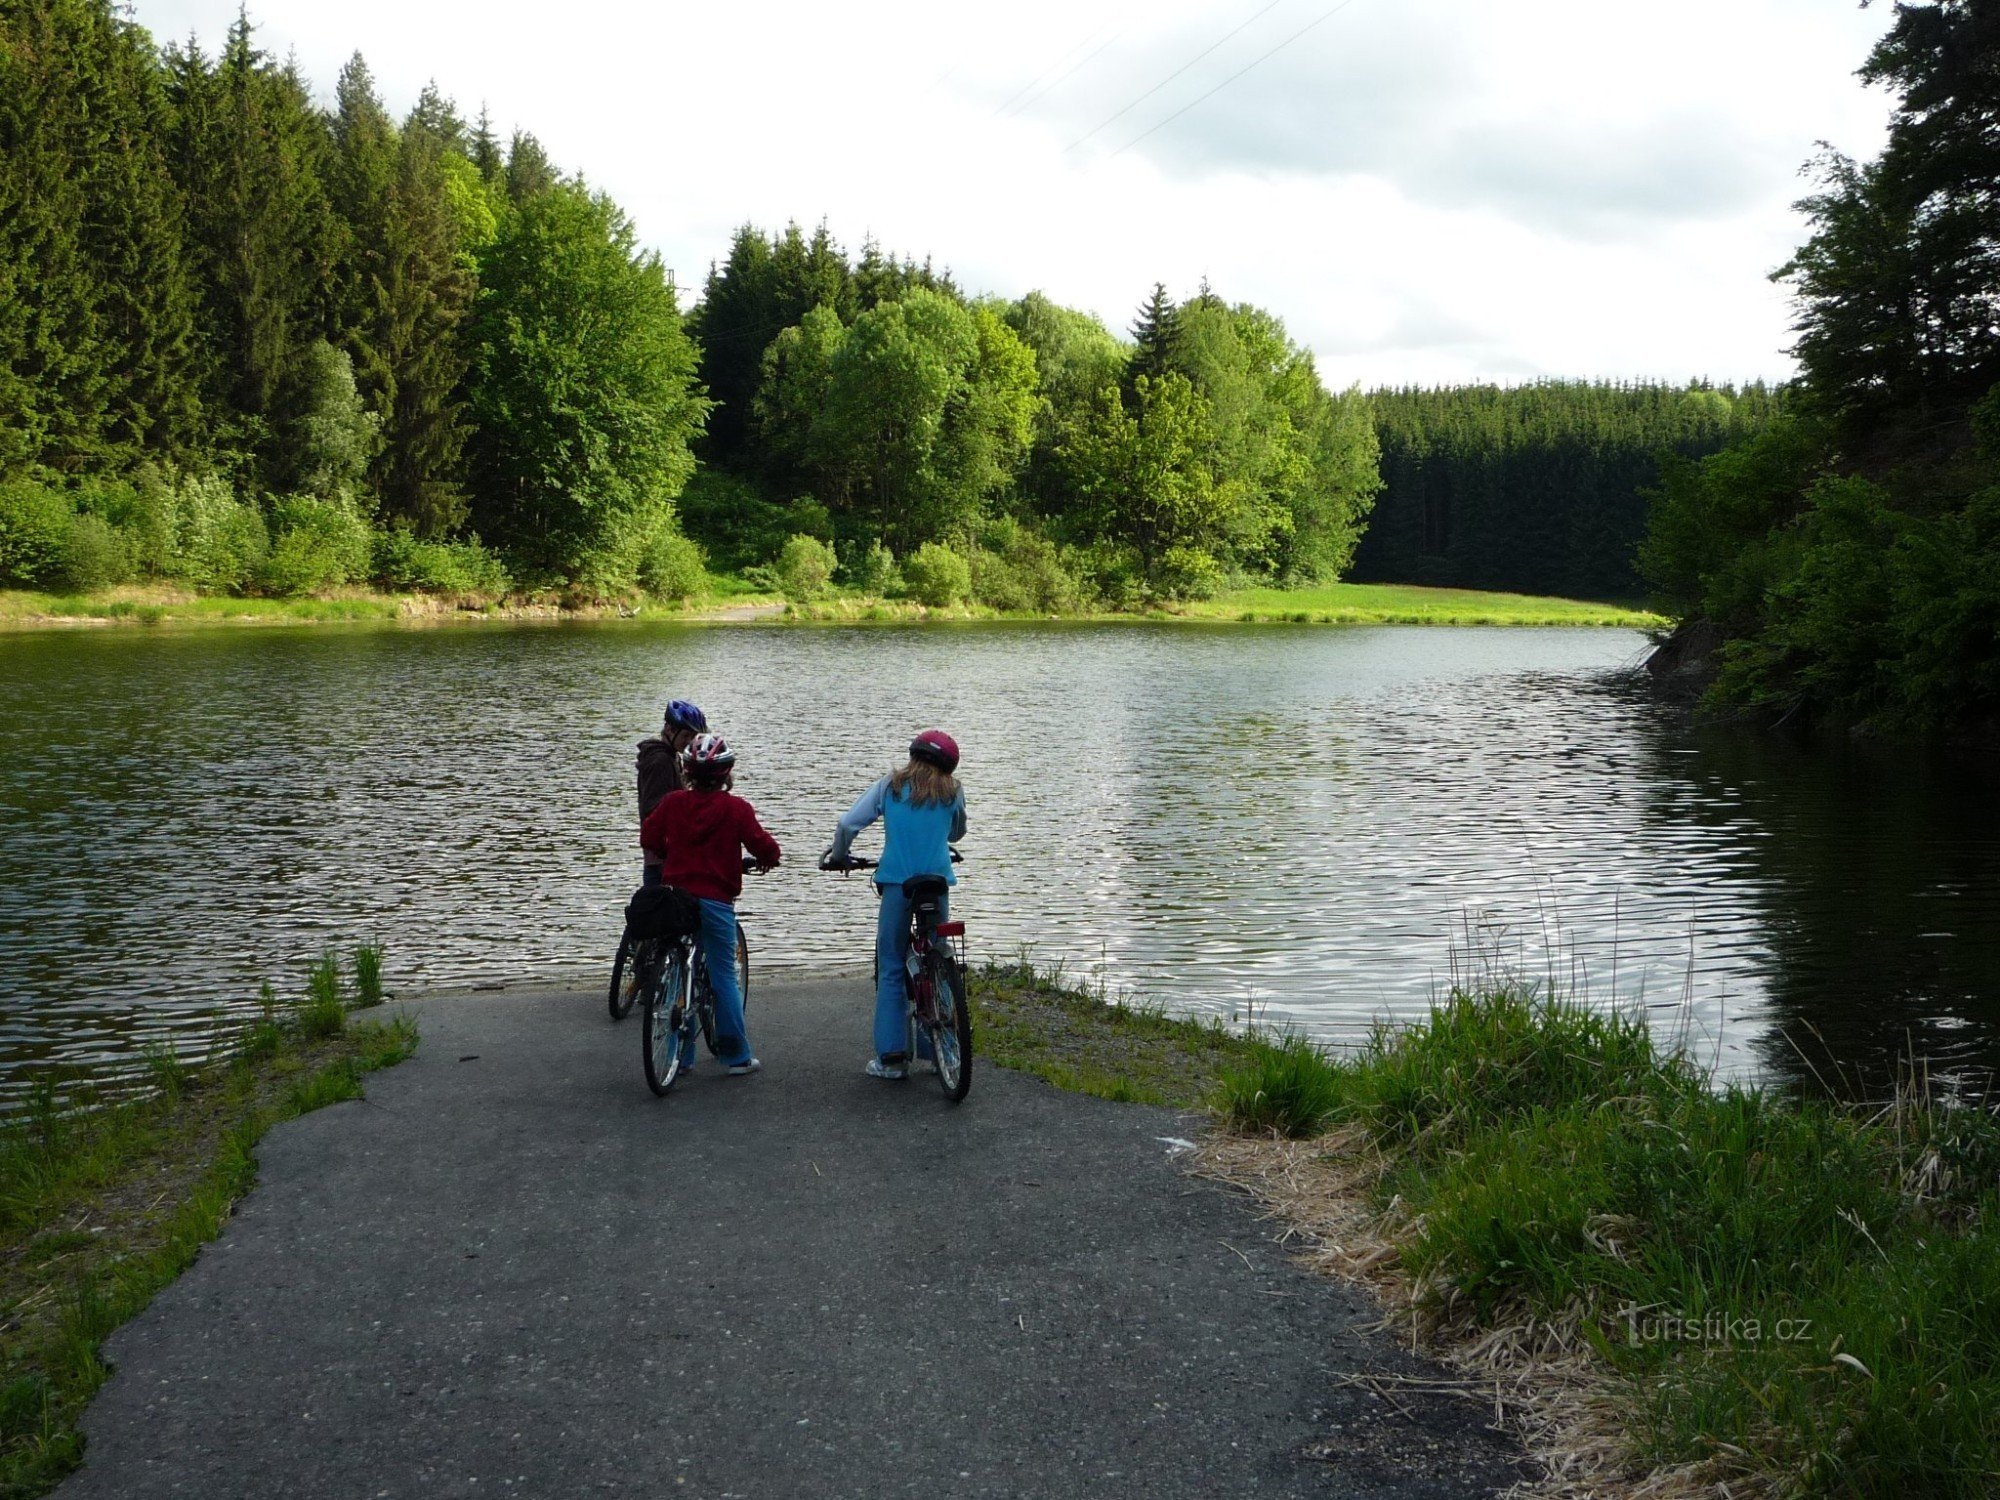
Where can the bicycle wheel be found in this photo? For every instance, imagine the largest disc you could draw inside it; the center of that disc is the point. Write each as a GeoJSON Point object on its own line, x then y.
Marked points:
{"type": "Point", "coordinates": [627, 975]}
{"type": "Point", "coordinates": [951, 1034]}
{"type": "Point", "coordinates": [666, 1015]}
{"type": "Point", "coordinates": [706, 1010]}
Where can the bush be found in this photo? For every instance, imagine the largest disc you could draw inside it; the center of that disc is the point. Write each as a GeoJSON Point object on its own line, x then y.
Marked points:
{"type": "Point", "coordinates": [463, 570]}
{"type": "Point", "coordinates": [1189, 573]}
{"type": "Point", "coordinates": [738, 525]}
{"type": "Point", "coordinates": [673, 567]}
{"type": "Point", "coordinates": [803, 566]}
{"type": "Point", "coordinates": [34, 530]}
{"type": "Point", "coordinates": [937, 576]}
{"type": "Point", "coordinates": [319, 544]}
{"type": "Point", "coordinates": [1016, 569]}
{"type": "Point", "coordinates": [215, 541]}
{"type": "Point", "coordinates": [878, 573]}
{"type": "Point", "coordinates": [96, 555]}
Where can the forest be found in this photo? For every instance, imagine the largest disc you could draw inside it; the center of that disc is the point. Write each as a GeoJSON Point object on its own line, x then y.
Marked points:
{"type": "Point", "coordinates": [1842, 565]}
{"type": "Point", "coordinates": [1541, 488]}
{"type": "Point", "coordinates": [253, 344]}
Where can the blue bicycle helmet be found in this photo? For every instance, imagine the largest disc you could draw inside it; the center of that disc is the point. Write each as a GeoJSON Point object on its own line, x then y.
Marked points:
{"type": "Point", "coordinates": [682, 714]}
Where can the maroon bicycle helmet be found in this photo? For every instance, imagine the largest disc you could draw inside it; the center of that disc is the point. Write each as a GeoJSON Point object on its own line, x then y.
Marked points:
{"type": "Point", "coordinates": [935, 748]}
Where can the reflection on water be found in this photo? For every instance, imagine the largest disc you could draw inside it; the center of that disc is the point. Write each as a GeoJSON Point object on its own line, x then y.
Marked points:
{"type": "Point", "coordinates": [1315, 826]}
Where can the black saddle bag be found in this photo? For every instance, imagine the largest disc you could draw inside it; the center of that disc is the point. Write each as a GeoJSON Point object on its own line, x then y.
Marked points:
{"type": "Point", "coordinates": [661, 911]}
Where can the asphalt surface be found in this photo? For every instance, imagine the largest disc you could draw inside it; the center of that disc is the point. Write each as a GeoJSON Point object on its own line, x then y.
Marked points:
{"type": "Point", "coordinates": [513, 1271]}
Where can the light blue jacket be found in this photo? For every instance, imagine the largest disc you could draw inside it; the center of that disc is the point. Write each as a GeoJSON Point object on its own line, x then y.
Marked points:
{"type": "Point", "coordinates": [915, 840]}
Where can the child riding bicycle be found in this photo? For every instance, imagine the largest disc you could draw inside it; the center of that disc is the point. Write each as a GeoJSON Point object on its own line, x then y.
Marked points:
{"type": "Point", "coordinates": [922, 808]}
{"type": "Point", "coordinates": [699, 834]}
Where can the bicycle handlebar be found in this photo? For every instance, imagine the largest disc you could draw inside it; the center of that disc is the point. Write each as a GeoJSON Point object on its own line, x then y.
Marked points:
{"type": "Point", "coordinates": [856, 862]}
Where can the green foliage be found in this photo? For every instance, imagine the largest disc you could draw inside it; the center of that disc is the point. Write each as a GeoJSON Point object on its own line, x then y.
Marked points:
{"type": "Point", "coordinates": [877, 573]}
{"type": "Point", "coordinates": [937, 576]}
{"type": "Point", "coordinates": [1019, 570]}
{"type": "Point", "coordinates": [323, 1012]}
{"type": "Point", "coordinates": [368, 975]}
{"type": "Point", "coordinates": [462, 570]}
{"type": "Point", "coordinates": [219, 542]}
{"type": "Point", "coordinates": [315, 545]}
{"type": "Point", "coordinates": [803, 568]}
{"type": "Point", "coordinates": [582, 381]}
{"type": "Point", "coordinates": [35, 526]}
{"type": "Point", "coordinates": [672, 566]}
{"type": "Point", "coordinates": [1544, 1161]}
{"type": "Point", "coordinates": [1539, 488]}
{"type": "Point", "coordinates": [1288, 1088]}
{"type": "Point", "coordinates": [1144, 478]}
{"type": "Point", "coordinates": [96, 555]}
{"type": "Point", "coordinates": [335, 437]}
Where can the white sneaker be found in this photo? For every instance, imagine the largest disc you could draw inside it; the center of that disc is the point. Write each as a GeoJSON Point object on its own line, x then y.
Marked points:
{"type": "Point", "coordinates": [878, 1069]}
{"type": "Point", "coordinates": [743, 1069]}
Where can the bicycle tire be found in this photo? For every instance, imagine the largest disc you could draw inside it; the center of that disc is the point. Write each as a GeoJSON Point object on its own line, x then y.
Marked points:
{"type": "Point", "coordinates": [706, 1011]}
{"type": "Point", "coordinates": [951, 1033]}
{"type": "Point", "coordinates": [666, 1020]}
{"type": "Point", "coordinates": [626, 975]}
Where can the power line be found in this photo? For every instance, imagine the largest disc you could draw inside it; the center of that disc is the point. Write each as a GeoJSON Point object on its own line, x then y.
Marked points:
{"type": "Point", "coordinates": [1169, 78]}
{"type": "Point", "coordinates": [1029, 86]}
{"type": "Point", "coordinates": [1054, 82]}
{"type": "Point", "coordinates": [1323, 17]}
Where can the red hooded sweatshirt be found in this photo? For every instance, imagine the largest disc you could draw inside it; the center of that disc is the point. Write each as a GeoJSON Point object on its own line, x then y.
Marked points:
{"type": "Point", "coordinates": [699, 836]}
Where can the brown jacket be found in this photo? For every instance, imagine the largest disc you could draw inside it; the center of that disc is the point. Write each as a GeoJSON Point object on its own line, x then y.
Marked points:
{"type": "Point", "coordinates": [659, 773]}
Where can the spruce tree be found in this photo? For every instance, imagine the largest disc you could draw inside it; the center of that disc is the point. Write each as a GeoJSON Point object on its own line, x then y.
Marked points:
{"type": "Point", "coordinates": [251, 153]}
{"type": "Point", "coordinates": [1156, 342]}
{"type": "Point", "coordinates": [428, 292]}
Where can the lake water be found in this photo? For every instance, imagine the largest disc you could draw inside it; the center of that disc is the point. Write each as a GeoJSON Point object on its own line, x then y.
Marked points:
{"type": "Point", "coordinates": [1312, 826]}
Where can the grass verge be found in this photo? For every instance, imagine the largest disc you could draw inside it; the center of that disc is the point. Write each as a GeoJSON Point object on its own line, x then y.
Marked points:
{"type": "Point", "coordinates": [731, 599]}
{"type": "Point", "coordinates": [1030, 1020]}
{"type": "Point", "coordinates": [101, 1207]}
{"type": "Point", "coordinates": [1684, 1290]}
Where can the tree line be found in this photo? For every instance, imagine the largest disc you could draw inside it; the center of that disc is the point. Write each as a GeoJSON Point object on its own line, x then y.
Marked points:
{"type": "Point", "coordinates": [247, 342]}
{"type": "Point", "coordinates": [1847, 557]}
{"type": "Point", "coordinates": [250, 342]}
{"type": "Point", "coordinates": [1541, 488]}
{"type": "Point", "coordinates": [870, 405]}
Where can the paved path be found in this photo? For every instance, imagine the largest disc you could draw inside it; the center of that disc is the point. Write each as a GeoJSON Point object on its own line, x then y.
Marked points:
{"type": "Point", "coordinates": [512, 1271]}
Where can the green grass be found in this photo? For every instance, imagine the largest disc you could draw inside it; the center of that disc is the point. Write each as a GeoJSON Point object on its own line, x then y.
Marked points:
{"type": "Point", "coordinates": [1030, 1020]}
{"type": "Point", "coordinates": [1548, 1161]}
{"type": "Point", "coordinates": [1407, 604]}
{"type": "Point", "coordinates": [102, 1203]}
{"type": "Point", "coordinates": [368, 975]}
{"type": "Point", "coordinates": [1330, 604]}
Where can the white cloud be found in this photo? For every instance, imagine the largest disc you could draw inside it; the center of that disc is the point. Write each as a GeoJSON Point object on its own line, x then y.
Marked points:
{"type": "Point", "coordinates": [1424, 190]}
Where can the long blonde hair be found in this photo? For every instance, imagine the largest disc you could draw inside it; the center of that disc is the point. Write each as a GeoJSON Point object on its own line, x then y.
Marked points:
{"type": "Point", "coordinates": [922, 784]}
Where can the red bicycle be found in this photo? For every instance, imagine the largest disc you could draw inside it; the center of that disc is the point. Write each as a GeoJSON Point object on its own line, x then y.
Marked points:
{"type": "Point", "coordinates": [936, 970]}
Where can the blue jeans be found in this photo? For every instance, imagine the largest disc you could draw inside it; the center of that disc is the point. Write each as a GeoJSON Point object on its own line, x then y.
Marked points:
{"type": "Point", "coordinates": [892, 950]}
{"type": "Point", "coordinates": [718, 951]}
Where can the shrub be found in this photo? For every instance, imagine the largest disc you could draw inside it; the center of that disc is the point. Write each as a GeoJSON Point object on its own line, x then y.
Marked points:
{"type": "Point", "coordinates": [318, 544]}
{"type": "Point", "coordinates": [1189, 573]}
{"type": "Point", "coordinates": [1016, 569]}
{"type": "Point", "coordinates": [34, 530]}
{"type": "Point", "coordinates": [673, 567]}
{"type": "Point", "coordinates": [937, 576]}
{"type": "Point", "coordinates": [465, 570]}
{"type": "Point", "coordinates": [803, 566]}
{"type": "Point", "coordinates": [878, 573]}
{"type": "Point", "coordinates": [214, 540]}
{"type": "Point", "coordinates": [95, 555]}
{"type": "Point", "coordinates": [738, 525]}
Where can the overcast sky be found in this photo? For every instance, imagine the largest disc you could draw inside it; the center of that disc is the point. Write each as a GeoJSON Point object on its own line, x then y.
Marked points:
{"type": "Point", "coordinates": [1424, 190]}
